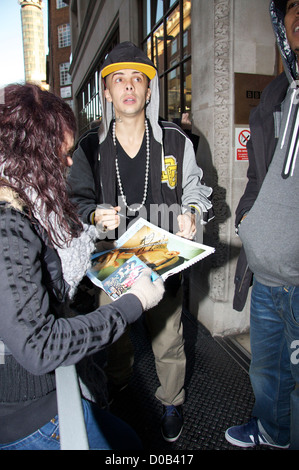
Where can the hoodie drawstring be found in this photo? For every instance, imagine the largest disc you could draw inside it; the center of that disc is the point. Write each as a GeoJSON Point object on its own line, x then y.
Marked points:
{"type": "Point", "coordinates": [293, 146]}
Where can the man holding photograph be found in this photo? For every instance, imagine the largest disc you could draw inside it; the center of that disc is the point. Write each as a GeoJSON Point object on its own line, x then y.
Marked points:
{"type": "Point", "coordinates": [134, 164]}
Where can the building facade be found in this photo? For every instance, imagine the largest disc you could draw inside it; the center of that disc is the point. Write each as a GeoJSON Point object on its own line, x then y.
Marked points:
{"type": "Point", "coordinates": [33, 41]}
{"type": "Point", "coordinates": [214, 67]}
{"type": "Point", "coordinates": [59, 41]}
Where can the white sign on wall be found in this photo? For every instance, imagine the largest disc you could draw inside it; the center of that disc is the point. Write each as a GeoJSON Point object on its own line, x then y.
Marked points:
{"type": "Point", "coordinates": [66, 92]}
{"type": "Point", "coordinates": [242, 136]}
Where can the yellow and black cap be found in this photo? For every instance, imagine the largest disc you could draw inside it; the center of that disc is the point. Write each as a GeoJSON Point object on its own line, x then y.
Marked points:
{"type": "Point", "coordinates": [128, 56]}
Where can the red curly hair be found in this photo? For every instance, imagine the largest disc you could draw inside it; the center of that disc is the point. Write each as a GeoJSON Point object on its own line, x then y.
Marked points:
{"type": "Point", "coordinates": [33, 123]}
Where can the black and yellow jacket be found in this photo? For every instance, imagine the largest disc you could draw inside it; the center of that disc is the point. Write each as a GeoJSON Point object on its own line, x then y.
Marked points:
{"type": "Point", "coordinates": [175, 178]}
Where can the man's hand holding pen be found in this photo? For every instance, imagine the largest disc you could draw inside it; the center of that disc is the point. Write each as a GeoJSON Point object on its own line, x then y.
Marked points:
{"type": "Point", "coordinates": [107, 218]}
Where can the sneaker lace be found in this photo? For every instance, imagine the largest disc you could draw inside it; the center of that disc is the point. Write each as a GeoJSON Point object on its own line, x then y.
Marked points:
{"type": "Point", "coordinates": [171, 411]}
{"type": "Point", "coordinates": [253, 429]}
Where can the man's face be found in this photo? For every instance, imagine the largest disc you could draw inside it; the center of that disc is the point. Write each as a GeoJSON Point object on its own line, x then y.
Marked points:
{"type": "Point", "coordinates": [291, 23]}
{"type": "Point", "coordinates": [66, 148]}
{"type": "Point", "coordinates": [128, 90]}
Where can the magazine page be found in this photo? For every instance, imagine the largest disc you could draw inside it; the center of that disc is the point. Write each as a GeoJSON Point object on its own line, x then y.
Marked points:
{"type": "Point", "coordinates": [165, 253]}
{"type": "Point", "coordinates": [122, 279]}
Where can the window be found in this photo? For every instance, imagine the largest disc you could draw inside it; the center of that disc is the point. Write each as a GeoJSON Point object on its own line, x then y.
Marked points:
{"type": "Point", "coordinates": [70, 103]}
{"type": "Point", "coordinates": [65, 78]}
{"type": "Point", "coordinates": [167, 41]}
{"type": "Point", "coordinates": [88, 98]}
{"type": "Point", "coordinates": [64, 35]}
{"type": "Point", "coordinates": [60, 4]}
{"type": "Point", "coordinates": [89, 102]}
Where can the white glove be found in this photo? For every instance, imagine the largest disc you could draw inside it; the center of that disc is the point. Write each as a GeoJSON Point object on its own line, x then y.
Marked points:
{"type": "Point", "coordinates": [148, 292]}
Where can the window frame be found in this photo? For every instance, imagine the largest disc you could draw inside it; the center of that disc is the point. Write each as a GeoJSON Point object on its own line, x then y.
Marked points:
{"type": "Point", "coordinates": [64, 76]}
{"type": "Point", "coordinates": [88, 99]}
{"type": "Point", "coordinates": [64, 35]}
{"type": "Point", "coordinates": [150, 26]}
{"type": "Point", "coordinates": [60, 4]}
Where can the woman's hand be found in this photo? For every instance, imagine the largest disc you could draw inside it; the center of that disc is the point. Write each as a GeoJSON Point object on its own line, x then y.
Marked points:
{"type": "Point", "coordinates": [149, 292]}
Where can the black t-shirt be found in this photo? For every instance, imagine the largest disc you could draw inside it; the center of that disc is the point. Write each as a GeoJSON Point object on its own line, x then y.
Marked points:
{"type": "Point", "coordinates": [132, 174]}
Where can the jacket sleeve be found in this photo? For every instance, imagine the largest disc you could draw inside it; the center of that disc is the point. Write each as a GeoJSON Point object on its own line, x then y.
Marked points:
{"type": "Point", "coordinates": [195, 193]}
{"type": "Point", "coordinates": [81, 185]}
{"type": "Point", "coordinates": [261, 146]}
{"type": "Point", "coordinates": [243, 275]}
{"type": "Point", "coordinates": [29, 327]}
{"type": "Point", "coordinates": [252, 187]}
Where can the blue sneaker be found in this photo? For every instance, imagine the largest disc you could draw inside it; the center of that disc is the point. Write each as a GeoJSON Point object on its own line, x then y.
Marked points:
{"type": "Point", "coordinates": [172, 422]}
{"type": "Point", "coordinates": [248, 435]}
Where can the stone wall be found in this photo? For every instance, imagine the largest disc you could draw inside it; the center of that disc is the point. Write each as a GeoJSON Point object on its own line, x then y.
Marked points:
{"type": "Point", "coordinates": [233, 36]}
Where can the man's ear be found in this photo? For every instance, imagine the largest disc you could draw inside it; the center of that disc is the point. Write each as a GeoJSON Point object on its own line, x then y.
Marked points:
{"type": "Point", "coordinates": [107, 95]}
{"type": "Point", "coordinates": [148, 94]}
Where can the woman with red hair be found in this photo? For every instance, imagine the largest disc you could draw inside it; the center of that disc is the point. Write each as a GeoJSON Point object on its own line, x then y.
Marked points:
{"type": "Point", "coordinates": [44, 253]}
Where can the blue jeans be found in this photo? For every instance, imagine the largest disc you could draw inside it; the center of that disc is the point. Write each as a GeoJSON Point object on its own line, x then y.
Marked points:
{"type": "Point", "coordinates": [274, 370]}
{"type": "Point", "coordinates": [105, 432]}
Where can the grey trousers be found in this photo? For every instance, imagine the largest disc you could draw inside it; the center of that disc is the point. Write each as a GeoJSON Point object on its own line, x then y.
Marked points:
{"type": "Point", "coordinates": [165, 327]}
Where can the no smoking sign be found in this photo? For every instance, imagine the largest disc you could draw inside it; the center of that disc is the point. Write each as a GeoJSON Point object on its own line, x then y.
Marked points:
{"type": "Point", "coordinates": [242, 136]}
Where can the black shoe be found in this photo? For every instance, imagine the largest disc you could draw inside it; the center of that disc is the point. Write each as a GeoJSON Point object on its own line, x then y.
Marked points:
{"type": "Point", "coordinates": [172, 422]}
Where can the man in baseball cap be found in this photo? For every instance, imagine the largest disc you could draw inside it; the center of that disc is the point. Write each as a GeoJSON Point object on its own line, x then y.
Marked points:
{"type": "Point", "coordinates": [142, 167]}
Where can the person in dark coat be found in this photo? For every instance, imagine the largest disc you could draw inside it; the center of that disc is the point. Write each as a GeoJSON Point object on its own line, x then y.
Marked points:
{"type": "Point", "coordinates": [44, 253]}
{"type": "Point", "coordinates": [267, 221]}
